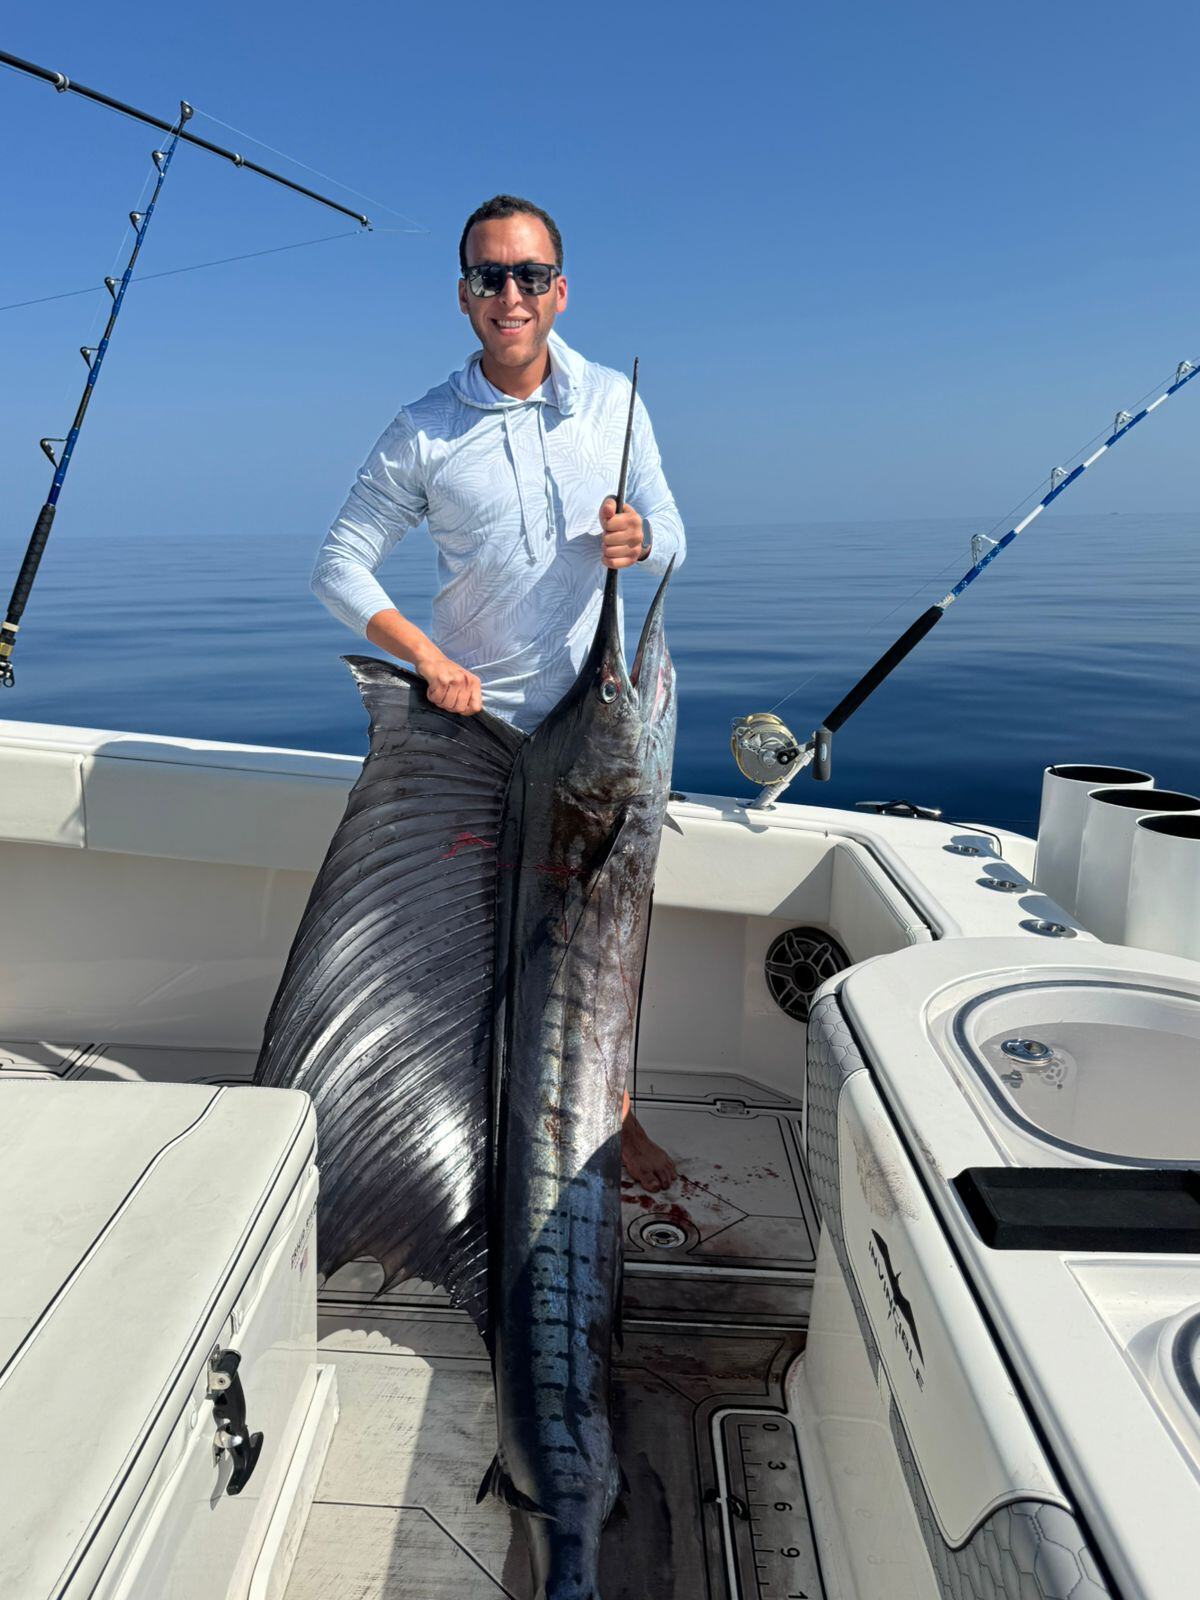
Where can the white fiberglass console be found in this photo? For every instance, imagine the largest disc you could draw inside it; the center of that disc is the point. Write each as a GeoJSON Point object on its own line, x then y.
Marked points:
{"type": "Point", "coordinates": [1004, 1142]}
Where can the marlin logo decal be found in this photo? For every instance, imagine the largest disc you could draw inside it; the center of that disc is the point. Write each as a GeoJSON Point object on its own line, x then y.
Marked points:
{"type": "Point", "coordinates": [900, 1306]}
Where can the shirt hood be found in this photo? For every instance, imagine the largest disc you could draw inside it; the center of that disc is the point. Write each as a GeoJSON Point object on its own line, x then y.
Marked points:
{"type": "Point", "coordinates": [566, 369]}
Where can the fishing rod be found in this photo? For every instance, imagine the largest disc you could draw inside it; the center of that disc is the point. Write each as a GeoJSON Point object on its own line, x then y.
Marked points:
{"type": "Point", "coordinates": [64, 85]}
{"type": "Point", "coordinates": [610, 582]}
{"type": "Point", "coordinates": [93, 355]}
{"type": "Point", "coordinates": [767, 753]}
{"type": "Point", "coordinates": [628, 440]}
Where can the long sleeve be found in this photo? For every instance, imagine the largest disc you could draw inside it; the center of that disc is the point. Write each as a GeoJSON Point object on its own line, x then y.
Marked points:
{"type": "Point", "coordinates": [387, 499]}
{"type": "Point", "coordinates": [652, 499]}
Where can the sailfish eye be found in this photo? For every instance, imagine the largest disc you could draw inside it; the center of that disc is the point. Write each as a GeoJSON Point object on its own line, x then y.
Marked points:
{"type": "Point", "coordinates": [609, 690]}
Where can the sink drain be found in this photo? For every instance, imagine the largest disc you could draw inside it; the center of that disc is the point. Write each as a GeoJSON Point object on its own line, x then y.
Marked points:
{"type": "Point", "coordinates": [1026, 1049]}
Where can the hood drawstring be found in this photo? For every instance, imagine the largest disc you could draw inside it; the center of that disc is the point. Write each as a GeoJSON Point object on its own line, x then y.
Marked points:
{"type": "Point", "coordinates": [562, 379]}
{"type": "Point", "coordinates": [510, 442]}
{"type": "Point", "coordinates": [551, 526]}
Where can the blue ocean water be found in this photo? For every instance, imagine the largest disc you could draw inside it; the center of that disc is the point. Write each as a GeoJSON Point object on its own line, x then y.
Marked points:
{"type": "Point", "coordinates": [1079, 644]}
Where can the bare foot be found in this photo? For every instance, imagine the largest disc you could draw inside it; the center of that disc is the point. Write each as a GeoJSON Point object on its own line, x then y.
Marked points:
{"type": "Point", "coordinates": [646, 1162]}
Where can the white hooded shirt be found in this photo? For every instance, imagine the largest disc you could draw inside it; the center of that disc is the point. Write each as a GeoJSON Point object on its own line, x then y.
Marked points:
{"type": "Point", "coordinates": [511, 491]}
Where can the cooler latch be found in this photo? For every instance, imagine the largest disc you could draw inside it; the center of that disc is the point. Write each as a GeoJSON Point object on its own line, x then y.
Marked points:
{"type": "Point", "coordinates": [229, 1413]}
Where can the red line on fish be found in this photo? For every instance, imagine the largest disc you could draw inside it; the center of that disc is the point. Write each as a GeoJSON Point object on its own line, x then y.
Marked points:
{"type": "Point", "coordinates": [462, 840]}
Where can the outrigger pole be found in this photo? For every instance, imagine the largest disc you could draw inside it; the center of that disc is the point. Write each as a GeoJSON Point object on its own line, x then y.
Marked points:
{"type": "Point", "coordinates": [94, 355]}
{"type": "Point", "coordinates": [762, 746]}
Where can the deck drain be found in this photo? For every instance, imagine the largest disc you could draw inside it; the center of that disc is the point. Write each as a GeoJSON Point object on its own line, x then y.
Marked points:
{"type": "Point", "coordinates": [797, 964]}
{"type": "Point", "coordinates": [663, 1236]}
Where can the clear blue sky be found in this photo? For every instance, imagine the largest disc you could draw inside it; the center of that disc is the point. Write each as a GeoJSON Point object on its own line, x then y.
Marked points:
{"type": "Point", "coordinates": [878, 259]}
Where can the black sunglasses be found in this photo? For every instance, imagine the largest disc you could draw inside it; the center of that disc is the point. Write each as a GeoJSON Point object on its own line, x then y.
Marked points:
{"type": "Point", "coordinates": [489, 277]}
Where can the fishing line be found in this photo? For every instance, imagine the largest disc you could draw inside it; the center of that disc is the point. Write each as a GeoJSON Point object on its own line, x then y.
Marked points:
{"type": "Point", "coordinates": [415, 226]}
{"type": "Point", "coordinates": [200, 266]}
{"type": "Point", "coordinates": [70, 387]}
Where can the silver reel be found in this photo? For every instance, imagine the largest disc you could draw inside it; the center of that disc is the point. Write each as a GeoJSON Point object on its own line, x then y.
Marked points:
{"type": "Point", "coordinates": [764, 748]}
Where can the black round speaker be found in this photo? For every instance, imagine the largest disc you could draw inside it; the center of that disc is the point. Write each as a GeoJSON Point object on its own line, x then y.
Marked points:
{"type": "Point", "coordinates": [797, 964]}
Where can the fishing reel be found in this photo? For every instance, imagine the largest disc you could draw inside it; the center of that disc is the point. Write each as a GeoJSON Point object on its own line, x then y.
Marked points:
{"type": "Point", "coordinates": [768, 753]}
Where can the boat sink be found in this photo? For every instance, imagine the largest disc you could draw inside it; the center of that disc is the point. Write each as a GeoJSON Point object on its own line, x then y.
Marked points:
{"type": "Point", "coordinates": [1058, 1173]}
{"type": "Point", "coordinates": [1102, 1069]}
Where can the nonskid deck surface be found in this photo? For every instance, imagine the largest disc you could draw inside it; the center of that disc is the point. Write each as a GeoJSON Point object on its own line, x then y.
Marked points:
{"type": "Point", "coordinates": [732, 1242]}
{"type": "Point", "coordinates": [734, 1238]}
{"type": "Point", "coordinates": [701, 1433]}
{"type": "Point", "coordinates": [718, 1278]}
{"type": "Point", "coordinates": [718, 1273]}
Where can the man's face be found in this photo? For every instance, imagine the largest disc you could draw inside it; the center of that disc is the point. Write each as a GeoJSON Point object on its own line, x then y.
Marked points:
{"type": "Point", "coordinates": [512, 327]}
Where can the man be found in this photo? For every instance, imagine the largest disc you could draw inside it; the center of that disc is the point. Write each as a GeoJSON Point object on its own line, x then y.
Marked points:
{"type": "Point", "coordinates": [511, 462]}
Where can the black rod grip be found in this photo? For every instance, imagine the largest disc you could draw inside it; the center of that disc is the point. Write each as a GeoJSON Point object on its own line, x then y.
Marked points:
{"type": "Point", "coordinates": [822, 754]}
{"type": "Point", "coordinates": [888, 661]}
{"type": "Point", "coordinates": [33, 556]}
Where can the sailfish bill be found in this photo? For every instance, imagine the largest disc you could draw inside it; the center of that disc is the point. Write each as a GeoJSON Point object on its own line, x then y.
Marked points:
{"type": "Point", "coordinates": [460, 1002]}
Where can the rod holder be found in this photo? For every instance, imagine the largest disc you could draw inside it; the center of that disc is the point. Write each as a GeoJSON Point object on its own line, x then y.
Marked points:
{"type": "Point", "coordinates": [1163, 909]}
{"type": "Point", "coordinates": [1110, 821]}
{"type": "Point", "coordinates": [1065, 791]}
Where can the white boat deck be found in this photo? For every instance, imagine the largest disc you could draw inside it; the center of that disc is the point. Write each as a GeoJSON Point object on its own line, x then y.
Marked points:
{"type": "Point", "coordinates": [160, 884]}
{"type": "Point", "coordinates": [395, 1516]}
{"type": "Point", "coordinates": [718, 1282]}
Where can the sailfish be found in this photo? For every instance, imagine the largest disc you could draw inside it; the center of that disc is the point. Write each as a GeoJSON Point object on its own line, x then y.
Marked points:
{"type": "Point", "coordinates": [460, 1003]}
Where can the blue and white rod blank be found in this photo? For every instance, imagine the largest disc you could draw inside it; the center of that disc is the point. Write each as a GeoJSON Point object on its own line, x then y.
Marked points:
{"type": "Point", "coordinates": [1061, 481]}
{"type": "Point", "coordinates": [818, 747]}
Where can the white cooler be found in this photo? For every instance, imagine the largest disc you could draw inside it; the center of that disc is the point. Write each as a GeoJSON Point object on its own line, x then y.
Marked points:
{"type": "Point", "coordinates": [157, 1313]}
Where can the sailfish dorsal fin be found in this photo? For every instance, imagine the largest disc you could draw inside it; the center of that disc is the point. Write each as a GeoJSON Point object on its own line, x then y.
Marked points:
{"type": "Point", "coordinates": [384, 1013]}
